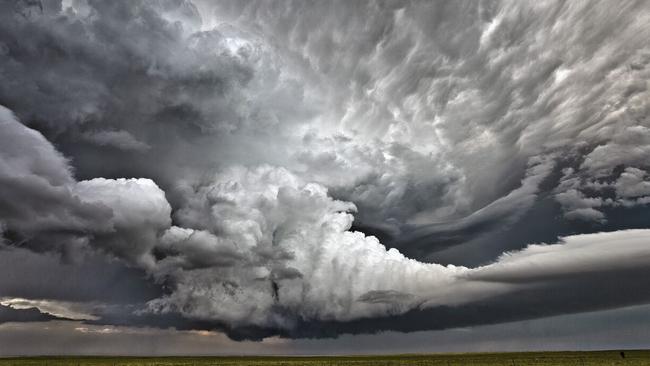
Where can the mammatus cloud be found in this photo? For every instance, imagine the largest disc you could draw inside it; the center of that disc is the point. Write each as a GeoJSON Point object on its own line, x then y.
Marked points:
{"type": "Point", "coordinates": [479, 89]}
{"type": "Point", "coordinates": [220, 152]}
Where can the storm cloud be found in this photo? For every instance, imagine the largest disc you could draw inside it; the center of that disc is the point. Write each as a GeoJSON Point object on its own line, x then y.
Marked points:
{"type": "Point", "coordinates": [308, 169]}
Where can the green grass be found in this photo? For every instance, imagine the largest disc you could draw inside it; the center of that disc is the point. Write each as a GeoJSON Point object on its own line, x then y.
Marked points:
{"type": "Point", "coordinates": [477, 359]}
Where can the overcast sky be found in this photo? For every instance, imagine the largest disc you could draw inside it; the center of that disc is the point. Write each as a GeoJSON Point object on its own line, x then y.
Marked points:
{"type": "Point", "coordinates": [294, 177]}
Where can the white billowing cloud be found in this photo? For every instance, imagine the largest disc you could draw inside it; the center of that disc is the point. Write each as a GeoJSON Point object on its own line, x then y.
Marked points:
{"type": "Point", "coordinates": [134, 202]}
{"type": "Point", "coordinates": [265, 240]}
{"type": "Point", "coordinates": [266, 247]}
{"type": "Point", "coordinates": [140, 212]}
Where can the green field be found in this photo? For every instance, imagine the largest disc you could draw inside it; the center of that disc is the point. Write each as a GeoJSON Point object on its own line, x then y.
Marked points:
{"type": "Point", "coordinates": [492, 359]}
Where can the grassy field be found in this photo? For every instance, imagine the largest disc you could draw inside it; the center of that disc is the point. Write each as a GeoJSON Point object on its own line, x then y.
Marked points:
{"type": "Point", "coordinates": [491, 359]}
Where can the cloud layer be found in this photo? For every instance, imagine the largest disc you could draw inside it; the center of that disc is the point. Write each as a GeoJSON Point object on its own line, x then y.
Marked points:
{"type": "Point", "coordinates": [311, 168]}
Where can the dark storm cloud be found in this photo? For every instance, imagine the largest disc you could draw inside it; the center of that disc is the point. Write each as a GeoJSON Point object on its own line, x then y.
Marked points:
{"type": "Point", "coordinates": [625, 328]}
{"type": "Point", "coordinates": [580, 294]}
{"type": "Point", "coordinates": [92, 278]}
{"type": "Point", "coordinates": [250, 133]}
{"type": "Point", "coordinates": [44, 207]}
{"type": "Point", "coordinates": [138, 78]}
{"type": "Point", "coordinates": [9, 314]}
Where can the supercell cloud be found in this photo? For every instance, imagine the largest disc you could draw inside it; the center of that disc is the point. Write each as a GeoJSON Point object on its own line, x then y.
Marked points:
{"type": "Point", "coordinates": [315, 168]}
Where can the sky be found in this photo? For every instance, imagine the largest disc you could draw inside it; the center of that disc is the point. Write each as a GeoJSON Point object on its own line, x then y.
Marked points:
{"type": "Point", "coordinates": [323, 177]}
